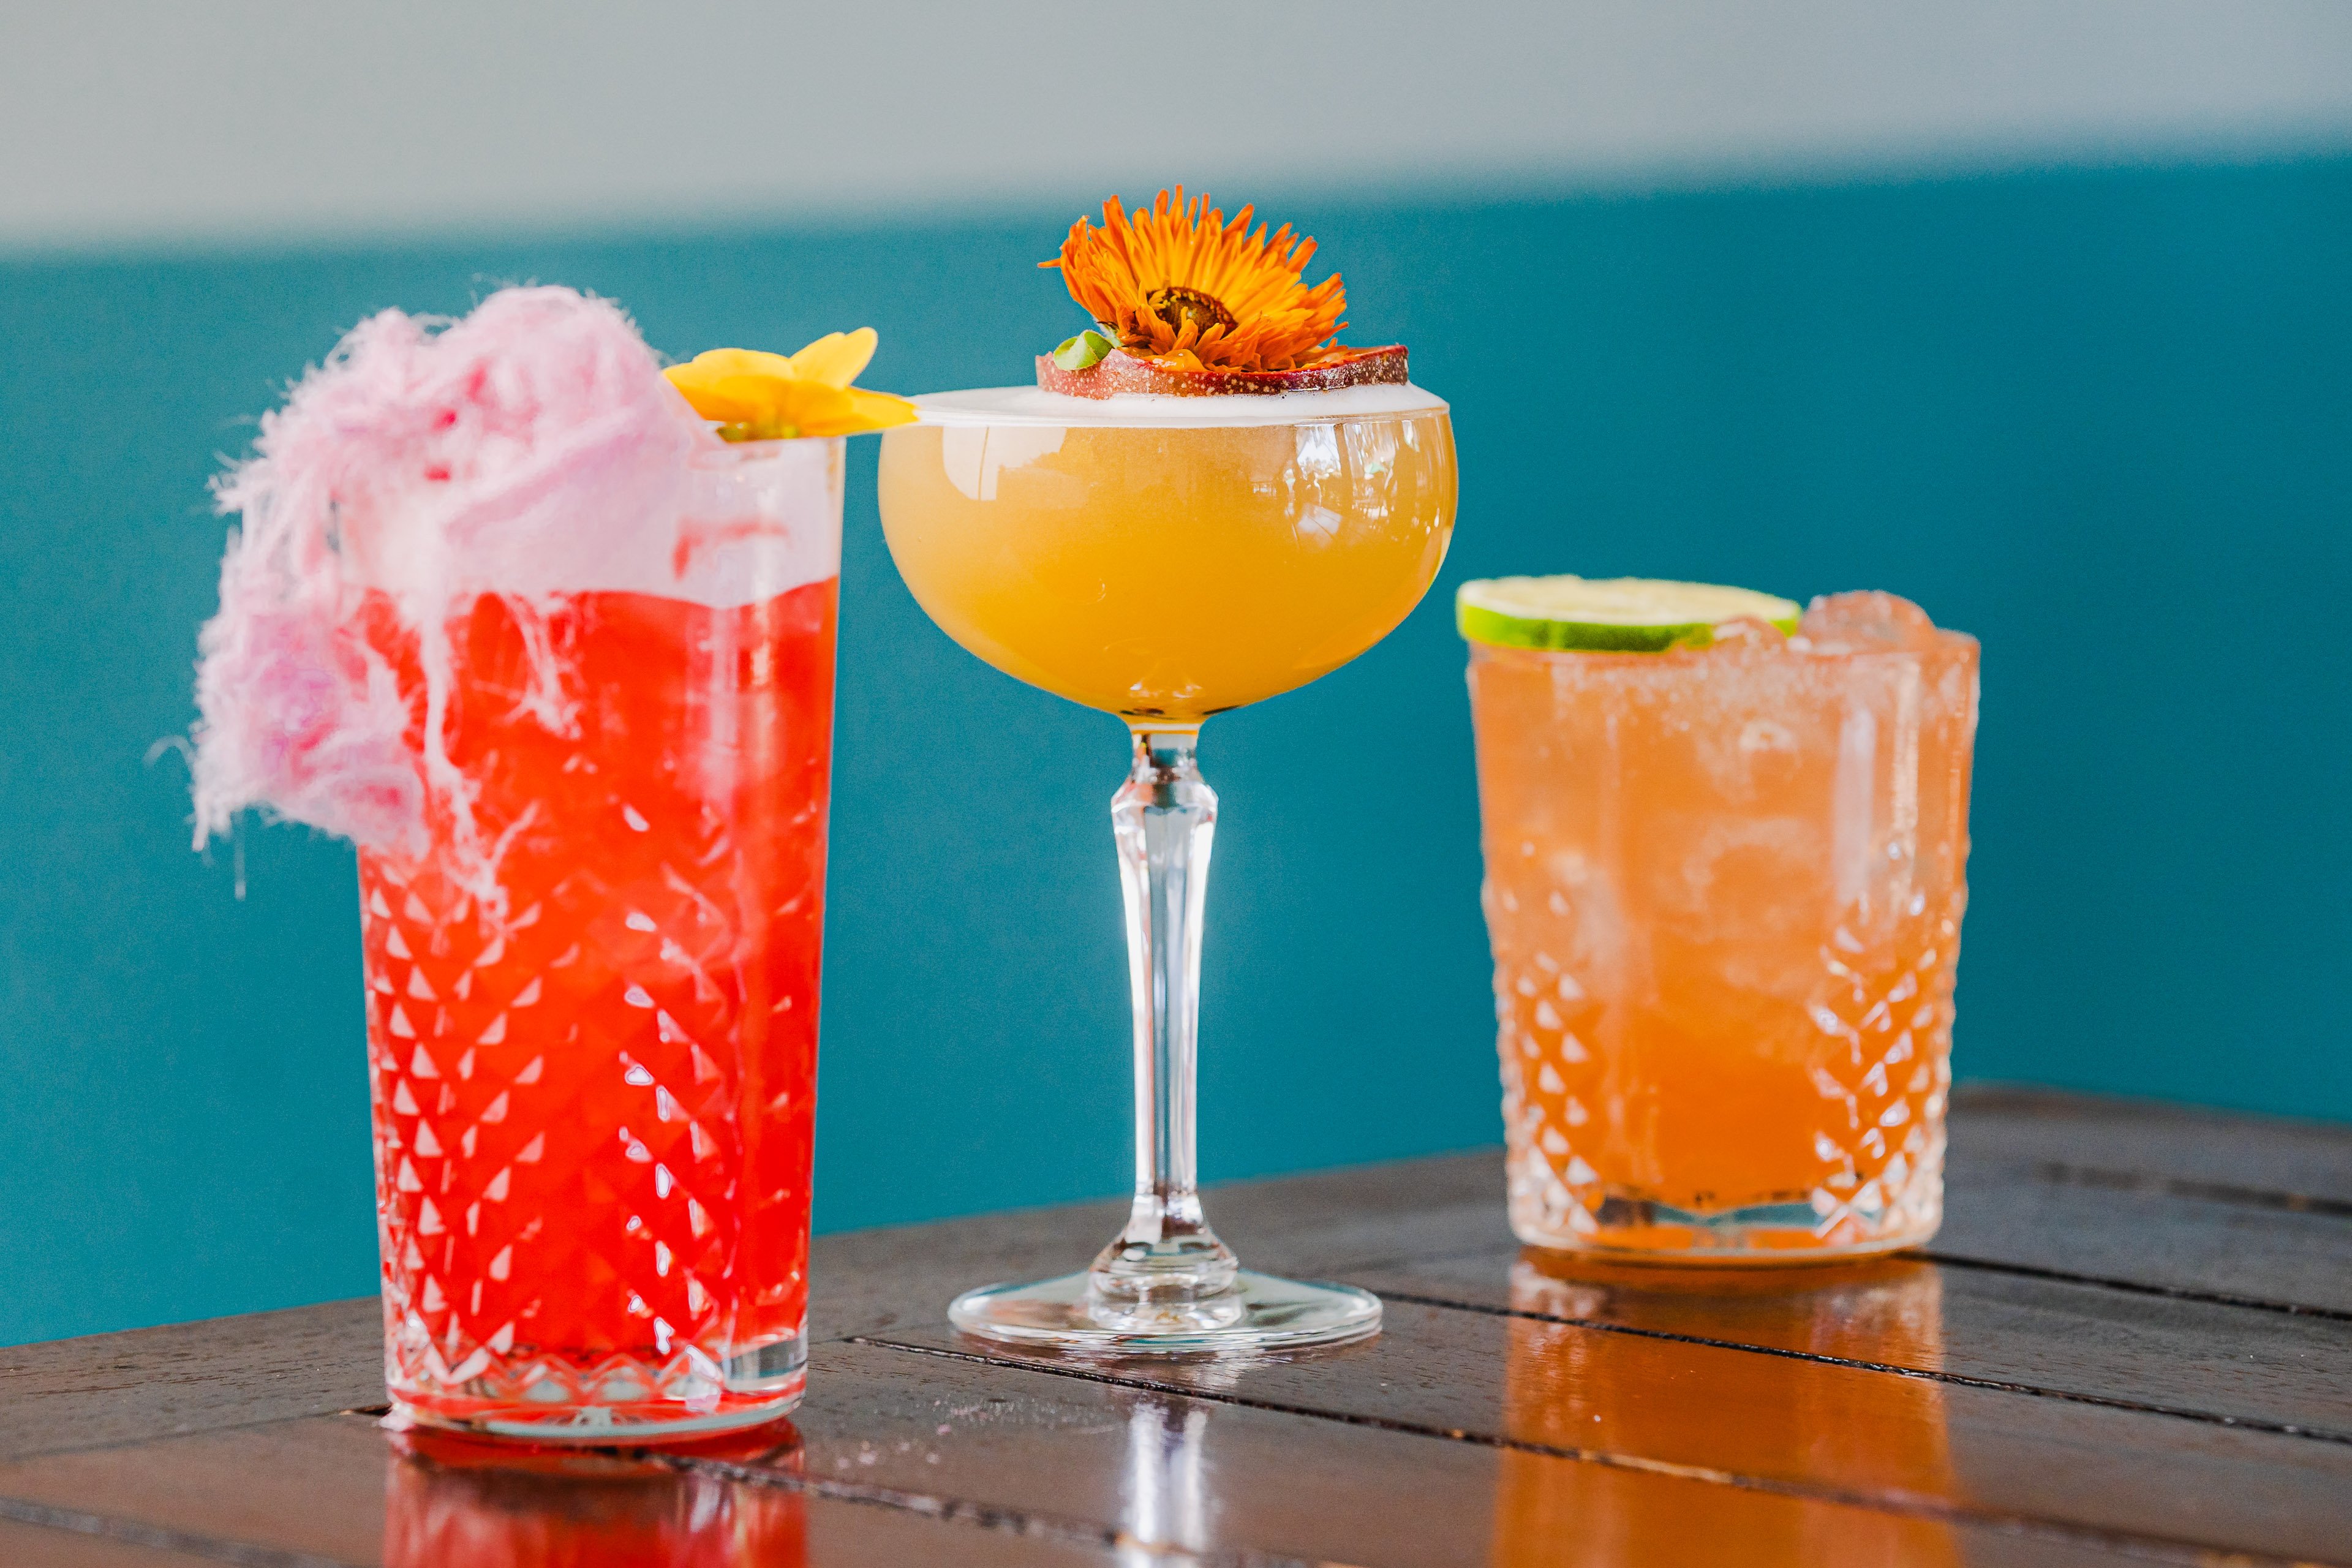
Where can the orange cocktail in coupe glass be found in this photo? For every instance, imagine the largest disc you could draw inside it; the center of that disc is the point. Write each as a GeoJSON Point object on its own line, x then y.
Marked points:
{"type": "Point", "coordinates": [1726, 852]}
{"type": "Point", "coordinates": [1202, 505]}
{"type": "Point", "coordinates": [550, 637]}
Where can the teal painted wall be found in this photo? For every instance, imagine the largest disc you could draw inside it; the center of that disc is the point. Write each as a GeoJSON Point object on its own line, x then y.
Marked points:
{"type": "Point", "coordinates": [2103, 420]}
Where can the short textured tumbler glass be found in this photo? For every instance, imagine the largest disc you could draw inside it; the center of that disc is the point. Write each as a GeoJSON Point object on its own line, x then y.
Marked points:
{"type": "Point", "coordinates": [1723, 888]}
{"type": "Point", "coordinates": [592, 1007]}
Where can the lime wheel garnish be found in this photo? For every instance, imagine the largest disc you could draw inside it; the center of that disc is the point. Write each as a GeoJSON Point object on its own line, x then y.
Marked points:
{"type": "Point", "coordinates": [1609, 614]}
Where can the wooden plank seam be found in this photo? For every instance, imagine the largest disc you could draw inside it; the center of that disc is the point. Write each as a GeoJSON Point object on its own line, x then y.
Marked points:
{"type": "Point", "coordinates": [2135, 1287]}
{"type": "Point", "coordinates": [133, 1532]}
{"type": "Point", "coordinates": [1926, 1375]}
{"type": "Point", "coordinates": [2153, 1547]}
{"type": "Point", "coordinates": [1028, 1522]}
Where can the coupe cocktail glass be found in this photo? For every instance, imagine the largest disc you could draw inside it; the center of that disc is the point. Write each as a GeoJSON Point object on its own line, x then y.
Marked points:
{"type": "Point", "coordinates": [592, 1007]}
{"type": "Point", "coordinates": [1164, 559]}
{"type": "Point", "coordinates": [1723, 888]}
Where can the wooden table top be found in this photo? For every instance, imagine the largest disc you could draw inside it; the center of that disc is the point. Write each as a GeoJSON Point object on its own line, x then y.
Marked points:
{"type": "Point", "coordinates": [2132, 1341]}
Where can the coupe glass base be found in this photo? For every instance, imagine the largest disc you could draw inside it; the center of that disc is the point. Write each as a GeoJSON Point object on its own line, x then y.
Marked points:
{"type": "Point", "coordinates": [1260, 1312]}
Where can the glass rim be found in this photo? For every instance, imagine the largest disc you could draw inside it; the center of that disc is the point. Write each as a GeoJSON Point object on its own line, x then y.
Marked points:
{"type": "Point", "coordinates": [1796, 644]}
{"type": "Point", "coordinates": [989, 407]}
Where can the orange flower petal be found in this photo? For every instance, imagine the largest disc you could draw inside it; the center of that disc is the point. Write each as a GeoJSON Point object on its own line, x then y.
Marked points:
{"type": "Point", "coordinates": [836, 359]}
{"type": "Point", "coordinates": [1181, 282]}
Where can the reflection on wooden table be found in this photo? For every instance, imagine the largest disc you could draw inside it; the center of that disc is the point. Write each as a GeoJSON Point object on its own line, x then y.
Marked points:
{"type": "Point", "coordinates": [453, 1502]}
{"type": "Point", "coordinates": [1609, 1394]}
{"type": "Point", "coordinates": [1163, 1502]}
{"type": "Point", "coordinates": [2132, 1342]}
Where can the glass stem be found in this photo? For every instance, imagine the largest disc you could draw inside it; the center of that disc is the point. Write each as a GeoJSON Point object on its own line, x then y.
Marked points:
{"type": "Point", "coordinates": [1164, 817]}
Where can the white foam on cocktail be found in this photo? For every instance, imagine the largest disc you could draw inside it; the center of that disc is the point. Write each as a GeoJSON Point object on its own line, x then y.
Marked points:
{"type": "Point", "coordinates": [1034, 405]}
{"type": "Point", "coordinates": [727, 525]}
{"type": "Point", "coordinates": [531, 451]}
{"type": "Point", "coordinates": [749, 520]}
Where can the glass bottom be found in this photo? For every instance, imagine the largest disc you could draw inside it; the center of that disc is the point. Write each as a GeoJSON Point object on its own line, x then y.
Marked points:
{"type": "Point", "coordinates": [1627, 1231]}
{"type": "Point", "coordinates": [1899, 1204]}
{"type": "Point", "coordinates": [1259, 1313]}
{"type": "Point", "coordinates": [624, 1402]}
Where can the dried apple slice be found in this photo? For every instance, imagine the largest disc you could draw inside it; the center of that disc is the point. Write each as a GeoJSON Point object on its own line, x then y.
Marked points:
{"type": "Point", "coordinates": [1119, 371]}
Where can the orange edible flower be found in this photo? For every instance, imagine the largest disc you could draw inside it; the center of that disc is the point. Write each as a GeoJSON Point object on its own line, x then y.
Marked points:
{"type": "Point", "coordinates": [760, 396]}
{"type": "Point", "coordinates": [1181, 285]}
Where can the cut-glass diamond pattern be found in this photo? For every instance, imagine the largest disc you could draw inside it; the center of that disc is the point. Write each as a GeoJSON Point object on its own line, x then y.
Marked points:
{"type": "Point", "coordinates": [1724, 896]}
{"type": "Point", "coordinates": [592, 1095]}
{"type": "Point", "coordinates": [1879, 1059]}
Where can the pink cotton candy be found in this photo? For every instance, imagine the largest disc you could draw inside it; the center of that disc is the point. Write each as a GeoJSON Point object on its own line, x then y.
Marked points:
{"type": "Point", "coordinates": [508, 453]}
{"type": "Point", "coordinates": [304, 722]}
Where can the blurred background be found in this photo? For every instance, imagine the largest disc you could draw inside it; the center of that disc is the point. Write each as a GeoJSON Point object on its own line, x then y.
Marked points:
{"type": "Point", "coordinates": [2037, 311]}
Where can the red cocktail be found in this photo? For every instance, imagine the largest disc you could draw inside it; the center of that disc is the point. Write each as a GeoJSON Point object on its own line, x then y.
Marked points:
{"type": "Point", "coordinates": [548, 632]}
{"type": "Point", "coordinates": [592, 1103]}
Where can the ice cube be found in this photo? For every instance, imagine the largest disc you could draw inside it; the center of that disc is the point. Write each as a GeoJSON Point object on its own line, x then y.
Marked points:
{"type": "Point", "coordinates": [1856, 623]}
{"type": "Point", "coordinates": [1743, 633]}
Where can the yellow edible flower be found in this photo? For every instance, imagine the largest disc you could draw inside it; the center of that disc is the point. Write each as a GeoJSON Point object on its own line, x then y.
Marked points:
{"type": "Point", "coordinates": [759, 397]}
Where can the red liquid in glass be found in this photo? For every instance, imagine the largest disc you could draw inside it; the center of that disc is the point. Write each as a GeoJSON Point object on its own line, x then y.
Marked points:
{"type": "Point", "coordinates": [592, 1106]}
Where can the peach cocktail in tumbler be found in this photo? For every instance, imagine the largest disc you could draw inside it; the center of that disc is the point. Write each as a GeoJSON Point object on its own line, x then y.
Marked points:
{"type": "Point", "coordinates": [1725, 873]}
{"type": "Point", "coordinates": [550, 637]}
{"type": "Point", "coordinates": [1204, 504]}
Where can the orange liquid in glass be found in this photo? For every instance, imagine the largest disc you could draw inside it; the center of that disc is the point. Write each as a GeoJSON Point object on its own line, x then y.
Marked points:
{"type": "Point", "coordinates": [1170, 573]}
{"type": "Point", "coordinates": [593, 1106]}
{"type": "Point", "coordinates": [1724, 890]}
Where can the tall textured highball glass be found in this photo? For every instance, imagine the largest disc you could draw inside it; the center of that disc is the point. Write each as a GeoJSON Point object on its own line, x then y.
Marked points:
{"type": "Point", "coordinates": [591, 1000]}
{"type": "Point", "coordinates": [546, 630]}
{"type": "Point", "coordinates": [1724, 888]}
{"type": "Point", "coordinates": [1165, 559]}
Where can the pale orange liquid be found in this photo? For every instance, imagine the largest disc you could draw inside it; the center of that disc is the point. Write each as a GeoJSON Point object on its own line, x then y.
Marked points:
{"type": "Point", "coordinates": [1724, 890]}
{"type": "Point", "coordinates": [1170, 573]}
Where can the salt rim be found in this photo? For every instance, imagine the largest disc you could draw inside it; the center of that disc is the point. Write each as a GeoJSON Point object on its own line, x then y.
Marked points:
{"type": "Point", "coordinates": [1034, 405]}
